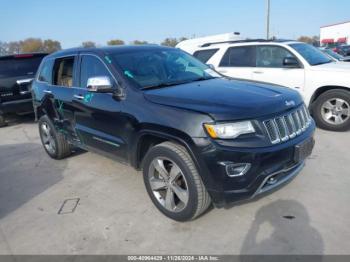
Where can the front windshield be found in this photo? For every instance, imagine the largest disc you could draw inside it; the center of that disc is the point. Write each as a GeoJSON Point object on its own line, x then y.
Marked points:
{"type": "Point", "coordinates": [161, 67]}
{"type": "Point", "coordinates": [333, 54]}
{"type": "Point", "coordinates": [311, 54]}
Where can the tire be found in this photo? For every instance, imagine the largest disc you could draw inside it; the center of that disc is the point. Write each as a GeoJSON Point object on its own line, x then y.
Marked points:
{"type": "Point", "coordinates": [321, 110]}
{"type": "Point", "coordinates": [180, 178]}
{"type": "Point", "coordinates": [54, 143]}
{"type": "Point", "coordinates": [2, 121]}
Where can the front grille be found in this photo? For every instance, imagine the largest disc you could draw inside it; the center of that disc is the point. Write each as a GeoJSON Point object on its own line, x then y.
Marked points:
{"type": "Point", "coordinates": [6, 94]}
{"type": "Point", "coordinates": [283, 128]}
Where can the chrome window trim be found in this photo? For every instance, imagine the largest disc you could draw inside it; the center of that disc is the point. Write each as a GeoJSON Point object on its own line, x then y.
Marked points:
{"type": "Point", "coordinates": [73, 55]}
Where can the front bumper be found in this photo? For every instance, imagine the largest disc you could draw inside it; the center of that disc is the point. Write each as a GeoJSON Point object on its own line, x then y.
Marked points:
{"type": "Point", "coordinates": [17, 106]}
{"type": "Point", "coordinates": [271, 167]}
{"type": "Point", "coordinates": [279, 178]}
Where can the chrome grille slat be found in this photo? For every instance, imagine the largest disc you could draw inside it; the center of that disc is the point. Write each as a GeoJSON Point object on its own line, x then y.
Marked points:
{"type": "Point", "coordinates": [297, 122]}
{"type": "Point", "coordinates": [283, 128]}
{"type": "Point", "coordinates": [272, 131]}
{"type": "Point", "coordinates": [302, 120]}
{"type": "Point", "coordinates": [293, 128]}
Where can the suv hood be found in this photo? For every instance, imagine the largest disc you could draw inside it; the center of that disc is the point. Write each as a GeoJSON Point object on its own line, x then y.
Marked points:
{"type": "Point", "coordinates": [227, 99]}
{"type": "Point", "coordinates": [333, 67]}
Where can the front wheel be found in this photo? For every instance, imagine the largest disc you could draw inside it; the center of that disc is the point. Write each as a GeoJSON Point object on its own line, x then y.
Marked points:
{"type": "Point", "coordinates": [55, 144]}
{"type": "Point", "coordinates": [173, 183]}
{"type": "Point", "coordinates": [331, 110]}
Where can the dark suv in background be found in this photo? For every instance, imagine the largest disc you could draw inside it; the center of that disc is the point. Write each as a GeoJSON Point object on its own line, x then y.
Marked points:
{"type": "Point", "coordinates": [16, 74]}
{"type": "Point", "coordinates": [199, 137]}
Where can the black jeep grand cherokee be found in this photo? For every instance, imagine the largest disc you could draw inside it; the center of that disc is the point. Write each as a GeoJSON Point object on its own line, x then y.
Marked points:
{"type": "Point", "coordinates": [197, 136]}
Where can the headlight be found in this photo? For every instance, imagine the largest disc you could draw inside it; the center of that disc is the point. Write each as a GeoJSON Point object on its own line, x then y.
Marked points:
{"type": "Point", "coordinates": [229, 130]}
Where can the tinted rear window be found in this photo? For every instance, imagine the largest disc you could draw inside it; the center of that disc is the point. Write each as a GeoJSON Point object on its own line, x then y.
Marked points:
{"type": "Point", "coordinates": [13, 67]}
{"type": "Point", "coordinates": [243, 56]}
{"type": "Point", "coordinates": [205, 55]}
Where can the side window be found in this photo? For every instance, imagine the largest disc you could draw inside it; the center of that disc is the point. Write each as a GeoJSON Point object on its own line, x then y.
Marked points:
{"type": "Point", "coordinates": [204, 55]}
{"type": "Point", "coordinates": [91, 66]}
{"type": "Point", "coordinates": [271, 56]}
{"type": "Point", "coordinates": [45, 74]}
{"type": "Point", "coordinates": [243, 56]}
{"type": "Point", "coordinates": [63, 72]}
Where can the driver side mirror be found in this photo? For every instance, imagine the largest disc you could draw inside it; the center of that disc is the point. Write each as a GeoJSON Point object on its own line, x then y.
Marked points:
{"type": "Point", "coordinates": [100, 84]}
{"type": "Point", "coordinates": [290, 62]}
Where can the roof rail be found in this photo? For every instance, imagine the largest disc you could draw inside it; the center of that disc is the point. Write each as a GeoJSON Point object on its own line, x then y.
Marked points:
{"type": "Point", "coordinates": [245, 41]}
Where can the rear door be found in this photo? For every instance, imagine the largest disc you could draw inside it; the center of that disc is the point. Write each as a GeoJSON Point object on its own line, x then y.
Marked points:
{"type": "Point", "coordinates": [238, 62]}
{"type": "Point", "coordinates": [16, 73]}
{"type": "Point", "coordinates": [99, 121]}
{"type": "Point", "coordinates": [270, 68]}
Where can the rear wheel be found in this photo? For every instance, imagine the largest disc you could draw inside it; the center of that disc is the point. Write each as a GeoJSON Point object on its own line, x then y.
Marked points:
{"type": "Point", "coordinates": [332, 110]}
{"type": "Point", "coordinates": [55, 144]}
{"type": "Point", "coordinates": [173, 183]}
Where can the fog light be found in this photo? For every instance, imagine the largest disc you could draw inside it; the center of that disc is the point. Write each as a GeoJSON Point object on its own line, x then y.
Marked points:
{"type": "Point", "coordinates": [236, 169]}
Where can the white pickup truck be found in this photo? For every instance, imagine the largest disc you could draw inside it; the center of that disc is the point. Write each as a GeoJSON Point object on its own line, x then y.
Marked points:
{"type": "Point", "coordinates": [323, 83]}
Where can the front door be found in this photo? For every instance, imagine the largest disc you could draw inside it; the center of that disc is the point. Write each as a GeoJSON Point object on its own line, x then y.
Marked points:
{"type": "Point", "coordinates": [61, 92]}
{"type": "Point", "coordinates": [98, 115]}
{"type": "Point", "coordinates": [270, 68]}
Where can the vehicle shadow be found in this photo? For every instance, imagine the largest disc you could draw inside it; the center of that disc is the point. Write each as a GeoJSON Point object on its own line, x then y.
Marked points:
{"type": "Point", "coordinates": [12, 119]}
{"type": "Point", "coordinates": [282, 228]}
{"type": "Point", "coordinates": [24, 175]}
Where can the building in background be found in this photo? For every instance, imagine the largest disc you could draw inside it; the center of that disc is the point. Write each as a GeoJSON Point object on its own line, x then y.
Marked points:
{"type": "Point", "coordinates": [335, 34]}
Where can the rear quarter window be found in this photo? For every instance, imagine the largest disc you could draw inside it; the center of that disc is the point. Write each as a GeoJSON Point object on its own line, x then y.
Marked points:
{"type": "Point", "coordinates": [242, 56]}
{"type": "Point", "coordinates": [205, 55]}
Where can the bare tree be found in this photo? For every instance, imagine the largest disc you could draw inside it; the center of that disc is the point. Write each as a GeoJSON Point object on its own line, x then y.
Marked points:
{"type": "Point", "coordinates": [115, 42]}
{"type": "Point", "coordinates": [13, 47]}
{"type": "Point", "coordinates": [3, 48]}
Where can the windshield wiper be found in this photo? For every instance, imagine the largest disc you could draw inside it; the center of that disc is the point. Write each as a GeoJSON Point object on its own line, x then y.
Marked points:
{"type": "Point", "coordinates": [174, 83]}
{"type": "Point", "coordinates": [165, 84]}
{"type": "Point", "coordinates": [203, 78]}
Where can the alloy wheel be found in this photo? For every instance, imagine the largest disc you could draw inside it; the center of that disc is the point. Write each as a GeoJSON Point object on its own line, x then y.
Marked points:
{"type": "Point", "coordinates": [168, 184]}
{"type": "Point", "coordinates": [47, 138]}
{"type": "Point", "coordinates": [335, 111]}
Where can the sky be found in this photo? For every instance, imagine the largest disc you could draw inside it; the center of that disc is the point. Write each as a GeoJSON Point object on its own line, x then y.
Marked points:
{"type": "Point", "coordinates": [74, 21]}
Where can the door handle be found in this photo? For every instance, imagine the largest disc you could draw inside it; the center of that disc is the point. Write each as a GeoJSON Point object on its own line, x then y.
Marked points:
{"type": "Point", "coordinates": [47, 91]}
{"type": "Point", "coordinates": [79, 97]}
{"type": "Point", "coordinates": [222, 71]}
{"type": "Point", "coordinates": [258, 72]}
